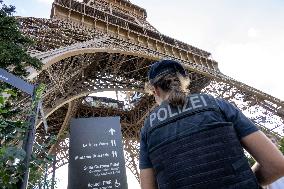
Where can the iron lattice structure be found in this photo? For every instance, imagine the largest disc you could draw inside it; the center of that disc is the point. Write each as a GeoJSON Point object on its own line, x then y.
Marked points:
{"type": "Point", "coordinates": [102, 45]}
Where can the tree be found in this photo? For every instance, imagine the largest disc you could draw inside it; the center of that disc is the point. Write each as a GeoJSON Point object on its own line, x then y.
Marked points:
{"type": "Point", "coordinates": [15, 59]}
{"type": "Point", "coordinates": [14, 45]}
{"type": "Point", "coordinates": [281, 145]}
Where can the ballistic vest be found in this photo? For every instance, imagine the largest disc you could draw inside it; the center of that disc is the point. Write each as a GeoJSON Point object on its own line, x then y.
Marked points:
{"type": "Point", "coordinates": [194, 146]}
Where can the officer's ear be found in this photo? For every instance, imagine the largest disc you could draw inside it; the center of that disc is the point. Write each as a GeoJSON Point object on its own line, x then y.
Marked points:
{"type": "Point", "coordinates": [157, 95]}
{"type": "Point", "coordinates": [157, 91]}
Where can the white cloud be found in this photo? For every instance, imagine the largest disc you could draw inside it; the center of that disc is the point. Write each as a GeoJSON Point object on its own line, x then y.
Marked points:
{"type": "Point", "coordinates": [246, 38]}
{"type": "Point", "coordinates": [253, 33]}
{"type": "Point", "coordinates": [257, 63]}
{"type": "Point", "coordinates": [45, 1]}
{"type": "Point", "coordinates": [21, 11]}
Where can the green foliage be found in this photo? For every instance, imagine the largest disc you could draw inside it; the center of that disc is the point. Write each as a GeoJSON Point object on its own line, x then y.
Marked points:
{"type": "Point", "coordinates": [11, 156]}
{"type": "Point", "coordinates": [281, 145]}
{"type": "Point", "coordinates": [37, 173]}
{"type": "Point", "coordinates": [15, 59]}
{"type": "Point", "coordinates": [8, 126]}
{"type": "Point", "coordinates": [251, 160]}
{"type": "Point", "coordinates": [10, 171]}
{"type": "Point", "coordinates": [38, 168]}
{"type": "Point", "coordinates": [14, 45]}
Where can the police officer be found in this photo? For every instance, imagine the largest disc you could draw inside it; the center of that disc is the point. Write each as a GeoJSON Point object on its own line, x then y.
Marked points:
{"type": "Point", "coordinates": [196, 141]}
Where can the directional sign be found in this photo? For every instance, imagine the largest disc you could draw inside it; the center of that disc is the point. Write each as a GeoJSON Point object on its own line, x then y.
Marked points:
{"type": "Point", "coordinates": [16, 81]}
{"type": "Point", "coordinates": [111, 131]}
{"type": "Point", "coordinates": [96, 158]}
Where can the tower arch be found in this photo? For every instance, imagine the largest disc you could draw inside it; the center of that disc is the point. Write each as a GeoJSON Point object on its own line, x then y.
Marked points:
{"type": "Point", "coordinates": [87, 47]}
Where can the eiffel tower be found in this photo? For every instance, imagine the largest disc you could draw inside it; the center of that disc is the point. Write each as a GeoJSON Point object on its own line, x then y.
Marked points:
{"type": "Point", "coordinates": [108, 45]}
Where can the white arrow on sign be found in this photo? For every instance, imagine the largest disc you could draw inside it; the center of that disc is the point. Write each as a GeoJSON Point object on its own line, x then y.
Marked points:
{"type": "Point", "coordinates": [111, 131]}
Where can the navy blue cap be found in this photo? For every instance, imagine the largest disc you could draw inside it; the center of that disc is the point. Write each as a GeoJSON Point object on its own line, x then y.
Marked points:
{"type": "Point", "coordinates": [165, 66]}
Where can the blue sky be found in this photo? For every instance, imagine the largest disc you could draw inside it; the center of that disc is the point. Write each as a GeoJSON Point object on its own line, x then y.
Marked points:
{"type": "Point", "coordinates": [34, 8]}
{"type": "Point", "coordinates": [246, 37]}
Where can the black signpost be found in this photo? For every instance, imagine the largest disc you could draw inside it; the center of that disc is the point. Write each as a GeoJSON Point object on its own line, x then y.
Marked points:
{"type": "Point", "coordinates": [28, 146]}
{"type": "Point", "coordinates": [16, 82]}
{"type": "Point", "coordinates": [96, 158]}
{"type": "Point", "coordinates": [30, 134]}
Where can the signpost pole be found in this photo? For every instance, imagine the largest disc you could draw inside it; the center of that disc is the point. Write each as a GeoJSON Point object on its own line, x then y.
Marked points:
{"type": "Point", "coordinates": [45, 177]}
{"type": "Point", "coordinates": [53, 171]}
{"type": "Point", "coordinates": [30, 134]}
{"type": "Point", "coordinates": [28, 143]}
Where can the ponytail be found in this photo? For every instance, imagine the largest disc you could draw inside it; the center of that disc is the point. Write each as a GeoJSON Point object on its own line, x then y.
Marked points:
{"type": "Point", "coordinates": [177, 96]}
{"type": "Point", "coordinates": [174, 84]}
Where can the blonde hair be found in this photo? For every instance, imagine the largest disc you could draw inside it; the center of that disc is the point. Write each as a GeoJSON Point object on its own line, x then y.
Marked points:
{"type": "Point", "coordinates": [174, 84]}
